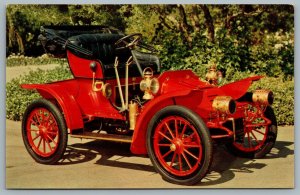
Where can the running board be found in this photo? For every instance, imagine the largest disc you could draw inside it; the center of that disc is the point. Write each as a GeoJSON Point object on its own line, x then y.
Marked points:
{"type": "Point", "coordinates": [100, 136]}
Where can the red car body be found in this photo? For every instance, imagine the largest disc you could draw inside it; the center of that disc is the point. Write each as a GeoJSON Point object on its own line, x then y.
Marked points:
{"type": "Point", "coordinates": [82, 102]}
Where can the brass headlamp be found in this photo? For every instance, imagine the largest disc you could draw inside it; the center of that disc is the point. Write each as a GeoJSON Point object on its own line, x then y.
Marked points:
{"type": "Point", "coordinates": [149, 85]}
{"type": "Point", "coordinates": [224, 105]}
{"type": "Point", "coordinates": [264, 97]}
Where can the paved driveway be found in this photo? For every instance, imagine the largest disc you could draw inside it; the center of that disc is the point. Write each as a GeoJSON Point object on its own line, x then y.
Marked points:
{"type": "Point", "coordinates": [100, 164]}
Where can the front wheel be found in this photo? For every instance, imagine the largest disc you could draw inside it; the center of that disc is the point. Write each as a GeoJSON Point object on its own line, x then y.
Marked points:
{"type": "Point", "coordinates": [179, 145]}
{"type": "Point", "coordinates": [44, 132]}
{"type": "Point", "coordinates": [258, 136]}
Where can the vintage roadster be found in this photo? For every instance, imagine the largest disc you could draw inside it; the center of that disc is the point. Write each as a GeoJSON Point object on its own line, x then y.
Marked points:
{"type": "Point", "coordinates": [118, 93]}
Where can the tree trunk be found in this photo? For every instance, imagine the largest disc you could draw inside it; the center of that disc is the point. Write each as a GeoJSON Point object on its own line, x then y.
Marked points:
{"type": "Point", "coordinates": [209, 23]}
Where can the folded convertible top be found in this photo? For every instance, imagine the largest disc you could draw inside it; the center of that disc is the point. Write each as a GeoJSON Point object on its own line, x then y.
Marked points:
{"type": "Point", "coordinates": [55, 39]}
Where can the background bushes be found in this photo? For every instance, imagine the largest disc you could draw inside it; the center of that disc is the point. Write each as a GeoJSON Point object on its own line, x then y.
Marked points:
{"type": "Point", "coordinates": [284, 97]}
{"type": "Point", "coordinates": [21, 60]}
{"type": "Point", "coordinates": [17, 99]}
{"type": "Point", "coordinates": [240, 39]}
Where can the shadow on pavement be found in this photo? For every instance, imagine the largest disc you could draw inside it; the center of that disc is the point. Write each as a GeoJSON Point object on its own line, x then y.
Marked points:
{"type": "Point", "coordinates": [223, 168]}
{"type": "Point", "coordinates": [225, 165]}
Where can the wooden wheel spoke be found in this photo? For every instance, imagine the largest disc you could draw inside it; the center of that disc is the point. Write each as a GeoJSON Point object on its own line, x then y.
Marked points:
{"type": "Point", "coordinates": [249, 140]}
{"type": "Point", "coordinates": [186, 160]}
{"type": "Point", "coordinates": [192, 155]}
{"type": "Point", "coordinates": [183, 130]}
{"type": "Point", "coordinates": [39, 144]}
{"type": "Point", "coordinates": [254, 137]}
{"type": "Point", "coordinates": [167, 153]}
{"type": "Point", "coordinates": [34, 122]}
{"type": "Point", "coordinates": [192, 135]}
{"type": "Point", "coordinates": [164, 145]}
{"type": "Point", "coordinates": [51, 132]}
{"type": "Point", "coordinates": [34, 130]}
{"type": "Point", "coordinates": [51, 139]}
{"type": "Point", "coordinates": [160, 133]}
{"type": "Point", "coordinates": [170, 131]}
{"type": "Point", "coordinates": [35, 137]}
{"type": "Point", "coordinates": [180, 163]}
{"type": "Point", "coordinates": [45, 115]}
{"type": "Point", "coordinates": [259, 132]}
{"type": "Point", "coordinates": [176, 127]}
{"type": "Point", "coordinates": [191, 146]}
{"type": "Point", "coordinates": [38, 118]}
{"type": "Point", "coordinates": [48, 143]}
{"type": "Point", "coordinates": [173, 158]}
{"type": "Point", "coordinates": [44, 145]}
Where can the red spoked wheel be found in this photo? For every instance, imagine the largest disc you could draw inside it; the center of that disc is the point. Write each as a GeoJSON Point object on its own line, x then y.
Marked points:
{"type": "Point", "coordinates": [179, 145]}
{"type": "Point", "coordinates": [258, 136]}
{"type": "Point", "coordinates": [44, 132]}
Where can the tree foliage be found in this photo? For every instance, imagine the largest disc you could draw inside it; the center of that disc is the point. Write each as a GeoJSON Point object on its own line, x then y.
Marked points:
{"type": "Point", "coordinates": [249, 38]}
{"type": "Point", "coordinates": [240, 39]}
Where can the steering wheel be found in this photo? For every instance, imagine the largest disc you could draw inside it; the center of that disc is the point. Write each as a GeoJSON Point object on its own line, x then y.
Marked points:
{"type": "Point", "coordinates": [131, 41]}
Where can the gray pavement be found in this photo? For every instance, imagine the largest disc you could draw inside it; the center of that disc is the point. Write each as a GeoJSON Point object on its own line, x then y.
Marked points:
{"type": "Point", "coordinates": [16, 71]}
{"type": "Point", "coordinates": [109, 165]}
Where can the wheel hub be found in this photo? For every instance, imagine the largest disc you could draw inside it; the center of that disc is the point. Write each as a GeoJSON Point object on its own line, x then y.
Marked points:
{"type": "Point", "coordinates": [43, 131]}
{"type": "Point", "coordinates": [177, 146]}
{"type": "Point", "coordinates": [173, 147]}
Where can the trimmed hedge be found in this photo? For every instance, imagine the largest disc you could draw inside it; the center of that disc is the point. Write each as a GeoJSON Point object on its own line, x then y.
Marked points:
{"type": "Point", "coordinates": [17, 99]}
{"type": "Point", "coordinates": [283, 89]}
{"type": "Point", "coordinates": [284, 97]}
{"type": "Point", "coordinates": [21, 60]}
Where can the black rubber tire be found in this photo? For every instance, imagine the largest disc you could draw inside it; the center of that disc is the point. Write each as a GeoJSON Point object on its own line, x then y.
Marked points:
{"type": "Point", "coordinates": [63, 133]}
{"type": "Point", "coordinates": [267, 146]}
{"type": "Point", "coordinates": [204, 134]}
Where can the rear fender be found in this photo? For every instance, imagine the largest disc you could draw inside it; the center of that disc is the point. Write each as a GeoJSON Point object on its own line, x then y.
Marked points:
{"type": "Point", "coordinates": [239, 88]}
{"type": "Point", "coordinates": [66, 101]}
{"type": "Point", "coordinates": [138, 145]}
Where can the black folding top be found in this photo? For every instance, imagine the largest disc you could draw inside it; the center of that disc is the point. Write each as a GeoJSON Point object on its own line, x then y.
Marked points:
{"type": "Point", "coordinates": [94, 42]}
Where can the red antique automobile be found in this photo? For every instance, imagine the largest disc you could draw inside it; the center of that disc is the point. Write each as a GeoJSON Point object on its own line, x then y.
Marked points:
{"type": "Point", "coordinates": [118, 93]}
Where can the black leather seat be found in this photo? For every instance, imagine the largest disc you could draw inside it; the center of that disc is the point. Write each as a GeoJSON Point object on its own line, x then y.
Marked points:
{"type": "Point", "coordinates": [102, 48]}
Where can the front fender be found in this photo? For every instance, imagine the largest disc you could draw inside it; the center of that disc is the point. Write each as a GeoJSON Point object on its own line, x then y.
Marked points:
{"type": "Point", "coordinates": [138, 145]}
{"type": "Point", "coordinates": [65, 100]}
{"type": "Point", "coordinates": [239, 88]}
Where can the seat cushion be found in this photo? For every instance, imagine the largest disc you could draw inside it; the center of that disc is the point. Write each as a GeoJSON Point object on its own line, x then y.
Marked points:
{"type": "Point", "coordinates": [102, 47]}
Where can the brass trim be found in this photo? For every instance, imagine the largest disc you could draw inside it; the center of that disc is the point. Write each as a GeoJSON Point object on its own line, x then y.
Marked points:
{"type": "Point", "coordinates": [233, 127]}
{"type": "Point", "coordinates": [133, 112]}
{"type": "Point", "coordinates": [223, 104]}
{"type": "Point", "coordinates": [264, 97]}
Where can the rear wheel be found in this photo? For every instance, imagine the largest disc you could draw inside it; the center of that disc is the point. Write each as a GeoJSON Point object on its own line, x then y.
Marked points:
{"type": "Point", "coordinates": [258, 136]}
{"type": "Point", "coordinates": [44, 132]}
{"type": "Point", "coordinates": [179, 145]}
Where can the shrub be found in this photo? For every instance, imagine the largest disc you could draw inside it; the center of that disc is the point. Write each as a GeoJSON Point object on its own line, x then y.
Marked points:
{"type": "Point", "coordinates": [284, 97]}
{"type": "Point", "coordinates": [21, 60]}
{"type": "Point", "coordinates": [283, 90]}
{"type": "Point", "coordinates": [17, 99]}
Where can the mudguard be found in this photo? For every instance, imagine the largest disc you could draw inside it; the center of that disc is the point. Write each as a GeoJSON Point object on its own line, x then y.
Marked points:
{"type": "Point", "coordinates": [239, 88]}
{"type": "Point", "coordinates": [185, 98]}
{"type": "Point", "coordinates": [138, 145]}
{"type": "Point", "coordinates": [66, 101]}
